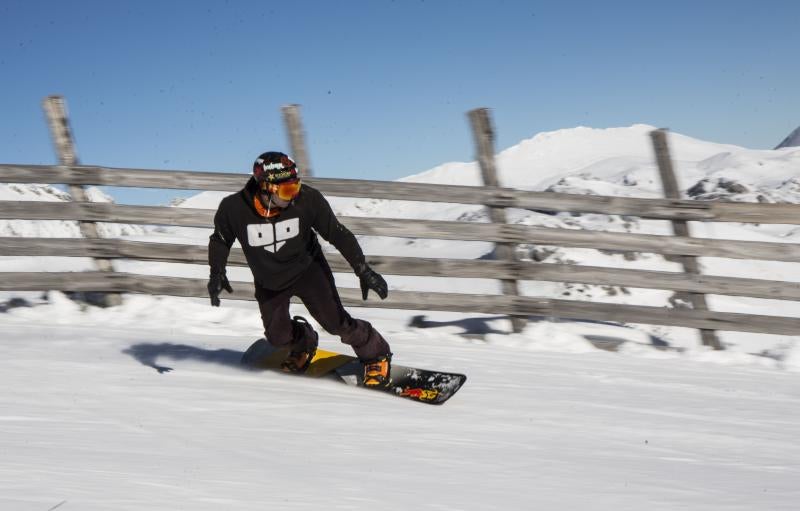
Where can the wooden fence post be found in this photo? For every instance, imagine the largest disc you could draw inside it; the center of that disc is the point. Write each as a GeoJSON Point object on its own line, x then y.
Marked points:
{"type": "Point", "coordinates": [484, 140]}
{"type": "Point", "coordinates": [56, 111]}
{"type": "Point", "coordinates": [681, 227]}
{"type": "Point", "coordinates": [297, 142]}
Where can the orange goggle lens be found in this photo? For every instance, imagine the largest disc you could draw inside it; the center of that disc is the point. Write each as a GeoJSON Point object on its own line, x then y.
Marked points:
{"type": "Point", "coordinates": [287, 190]}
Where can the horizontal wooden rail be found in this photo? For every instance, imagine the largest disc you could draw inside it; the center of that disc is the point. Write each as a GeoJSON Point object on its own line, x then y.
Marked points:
{"type": "Point", "coordinates": [392, 265]}
{"type": "Point", "coordinates": [468, 231]}
{"type": "Point", "coordinates": [666, 209]}
{"type": "Point", "coordinates": [507, 305]}
{"type": "Point", "coordinates": [464, 231]}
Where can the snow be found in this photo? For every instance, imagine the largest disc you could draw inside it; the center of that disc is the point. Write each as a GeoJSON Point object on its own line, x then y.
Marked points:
{"type": "Point", "coordinates": [144, 405]}
{"type": "Point", "coordinates": [545, 421]}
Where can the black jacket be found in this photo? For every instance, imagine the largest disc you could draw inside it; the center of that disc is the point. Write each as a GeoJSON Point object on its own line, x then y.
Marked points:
{"type": "Point", "coordinates": [278, 249]}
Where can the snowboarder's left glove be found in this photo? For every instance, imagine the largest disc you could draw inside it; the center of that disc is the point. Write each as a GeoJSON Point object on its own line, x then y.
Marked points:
{"type": "Point", "coordinates": [216, 283]}
{"type": "Point", "coordinates": [370, 279]}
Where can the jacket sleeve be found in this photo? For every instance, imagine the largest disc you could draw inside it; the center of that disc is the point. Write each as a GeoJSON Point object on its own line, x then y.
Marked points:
{"type": "Point", "coordinates": [328, 226]}
{"type": "Point", "coordinates": [220, 242]}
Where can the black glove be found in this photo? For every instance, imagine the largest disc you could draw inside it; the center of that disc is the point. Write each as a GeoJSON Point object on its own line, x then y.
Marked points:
{"type": "Point", "coordinates": [216, 283]}
{"type": "Point", "coordinates": [370, 279]}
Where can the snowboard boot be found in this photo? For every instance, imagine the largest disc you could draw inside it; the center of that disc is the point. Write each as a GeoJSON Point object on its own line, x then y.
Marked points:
{"type": "Point", "coordinates": [377, 372]}
{"type": "Point", "coordinates": [304, 349]}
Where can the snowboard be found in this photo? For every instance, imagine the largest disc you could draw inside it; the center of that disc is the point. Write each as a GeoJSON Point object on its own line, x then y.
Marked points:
{"type": "Point", "coordinates": [423, 386]}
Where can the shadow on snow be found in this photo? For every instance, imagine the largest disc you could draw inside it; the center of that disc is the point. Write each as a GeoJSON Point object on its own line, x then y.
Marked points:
{"type": "Point", "coordinates": [148, 354]}
{"type": "Point", "coordinates": [478, 328]}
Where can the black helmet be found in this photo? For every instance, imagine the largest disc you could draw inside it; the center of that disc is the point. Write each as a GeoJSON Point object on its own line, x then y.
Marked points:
{"type": "Point", "coordinates": [274, 167]}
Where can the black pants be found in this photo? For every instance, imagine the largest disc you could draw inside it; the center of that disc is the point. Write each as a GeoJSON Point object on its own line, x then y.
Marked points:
{"type": "Point", "coordinates": [317, 289]}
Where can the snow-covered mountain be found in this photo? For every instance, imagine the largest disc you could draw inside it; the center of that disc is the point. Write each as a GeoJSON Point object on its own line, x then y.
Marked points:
{"type": "Point", "coordinates": [620, 161]}
{"type": "Point", "coordinates": [542, 160]}
{"type": "Point", "coordinates": [791, 140]}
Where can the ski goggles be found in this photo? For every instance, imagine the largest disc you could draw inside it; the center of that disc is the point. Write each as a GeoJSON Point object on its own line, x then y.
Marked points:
{"type": "Point", "coordinates": [286, 190]}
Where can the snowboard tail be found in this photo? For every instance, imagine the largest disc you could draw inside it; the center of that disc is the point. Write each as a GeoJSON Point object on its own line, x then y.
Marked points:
{"type": "Point", "coordinates": [424, 386]}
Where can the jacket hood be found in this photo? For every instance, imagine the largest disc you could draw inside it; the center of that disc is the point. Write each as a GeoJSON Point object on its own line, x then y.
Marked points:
{"type": "Point", "coordinates": [249, 192]}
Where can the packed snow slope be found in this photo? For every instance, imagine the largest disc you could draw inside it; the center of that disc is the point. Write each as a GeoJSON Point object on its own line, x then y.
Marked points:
{"type": "Point", "coordinates": [144, 405]}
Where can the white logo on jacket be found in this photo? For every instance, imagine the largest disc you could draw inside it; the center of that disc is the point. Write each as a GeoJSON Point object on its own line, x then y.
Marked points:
{"type": "Point", "coordinates": [272, 236]}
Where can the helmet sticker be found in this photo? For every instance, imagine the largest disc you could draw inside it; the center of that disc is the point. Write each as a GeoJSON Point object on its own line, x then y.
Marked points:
{"type": "Point", "coordinates": [273, 166]}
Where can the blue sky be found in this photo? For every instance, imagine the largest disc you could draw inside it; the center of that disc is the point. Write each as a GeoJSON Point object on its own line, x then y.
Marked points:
{"type": "Point", "coordinates": [384, 84]}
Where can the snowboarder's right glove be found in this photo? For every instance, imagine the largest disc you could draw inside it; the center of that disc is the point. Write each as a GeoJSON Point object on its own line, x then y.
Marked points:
{"type": "Point", "coordinates": [216, 283]}
{"type": "Point", "coordinates": [370, 279]}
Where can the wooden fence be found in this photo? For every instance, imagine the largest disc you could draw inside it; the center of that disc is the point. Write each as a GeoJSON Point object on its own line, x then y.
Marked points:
{"type": "Point", "coordinates": [504, 268]}
{"type": "Point", "coordinates": [490, 269]}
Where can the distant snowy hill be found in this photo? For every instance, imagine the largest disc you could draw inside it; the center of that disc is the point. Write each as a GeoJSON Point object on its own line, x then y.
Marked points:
{"type": "Point", "coordinates": [792, 140]}
{"type": "Point", "coordinates": [539, 162]}
{"type": "Point", "coordinates": [615, 161]}
{"type": "Point", "coordinates": [623, 158]}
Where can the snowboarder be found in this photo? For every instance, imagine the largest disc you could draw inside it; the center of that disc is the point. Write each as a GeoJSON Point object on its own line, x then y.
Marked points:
{"type": "Point", "coordinates": [275, 217]}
